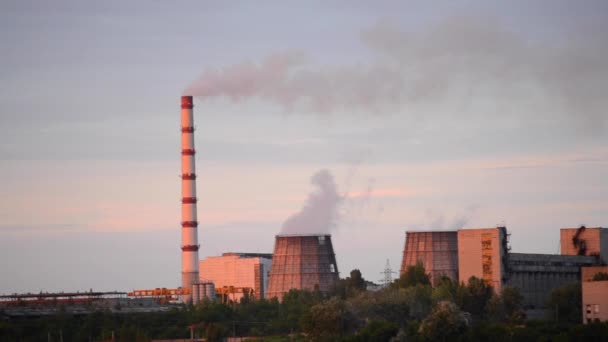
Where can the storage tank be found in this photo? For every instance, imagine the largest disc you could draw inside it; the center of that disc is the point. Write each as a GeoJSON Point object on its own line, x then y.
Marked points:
{"type": "Point", "coordinates": [209, 291]}
{"type": "Point", "coordinates": [305, 262]}
{"type": "Point", "coordinates": [436, 250]}
{"type": "Point", "coordinates": [201, 292]}
{"type": "Point", "coordinates": [196, 298]}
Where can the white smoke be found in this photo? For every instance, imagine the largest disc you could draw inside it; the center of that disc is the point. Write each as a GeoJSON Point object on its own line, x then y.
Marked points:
{"type": "Point", "coordinates": [458, 63]}
{"type": "Point", "coordinates": [437, 220]}
{"type": "Point", "coordinates": [320, 212]}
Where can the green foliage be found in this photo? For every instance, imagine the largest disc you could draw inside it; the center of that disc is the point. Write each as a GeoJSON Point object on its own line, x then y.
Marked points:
{"type": "Point", "coordinates": [445, 323]}
{"type": "Point", "coordinates": [413, 276]}
{"type": "Point", "coordinates": [294, 307]}
{"type": "Point", "coordinates": [512, 302]}
{"type": "Point", "coordinates": [349, 286]}
{"type": "Point", "coordinates": [389, 305]}
{"type": "Point", "coordinates": [418, 299]}
{"type": "Point", "coordinates": [415, 312]}
{"type": "Point", "coordinates": [600, 276]}
{"type": "Point", "coordinates": [474, 297]}
{"type": "Point", "coordinates": [566, 303]}
{"type": "Point", "coordinates": [328, 320]}
{"type": "Point", "coordinates": [215, 332]}
{"type": "Point", "coordinates": [375, 331]}
{"type": "Point", "coordinates": [446, 289]}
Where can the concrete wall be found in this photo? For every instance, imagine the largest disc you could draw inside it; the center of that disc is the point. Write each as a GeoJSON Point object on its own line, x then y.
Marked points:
{"type": "Point", "coordinates": [238, 270]}
{"type": "Point", "coordinates": [595, 301]}
{"type": "Point", "coordinates": [437, 251]}
{"type": "Point", "coordinates": [604, 245]}
{"type": "Point", "coordinates": [588, 272]}
{"type": "Point", "coordinates": [595, 240]}
{"type": "Point", "coordinates": [482, 254]}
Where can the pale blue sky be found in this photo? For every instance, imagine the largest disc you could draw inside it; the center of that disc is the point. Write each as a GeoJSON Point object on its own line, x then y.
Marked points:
{"type": "Point", "coordinates": [500, 118]}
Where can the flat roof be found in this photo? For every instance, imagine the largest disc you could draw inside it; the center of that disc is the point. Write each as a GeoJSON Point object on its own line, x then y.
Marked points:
{"type": "Point", "coordinates": [301, 235]}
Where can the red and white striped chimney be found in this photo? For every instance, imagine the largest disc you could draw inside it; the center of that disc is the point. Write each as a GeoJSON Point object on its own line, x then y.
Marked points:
{"type": "Point", "coordinates": [189, 222]}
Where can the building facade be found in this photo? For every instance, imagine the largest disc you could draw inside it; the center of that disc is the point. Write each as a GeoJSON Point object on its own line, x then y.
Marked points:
{"type": "Point", "coordinates": [595, 295]}
{"type": "Point", "coordinates": [585, 241]}
{"type": "Point", "coordinates": [482, 253]}
{"type": "Point", "coordinates": [536, 275]}
{"type": "Point", "coordinates": [238, 271]}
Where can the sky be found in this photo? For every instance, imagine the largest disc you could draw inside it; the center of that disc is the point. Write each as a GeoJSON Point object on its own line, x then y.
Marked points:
{"type": "Point", "coordinates": [417, 116]}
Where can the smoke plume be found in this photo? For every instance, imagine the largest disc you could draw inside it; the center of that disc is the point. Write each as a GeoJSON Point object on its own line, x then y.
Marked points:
{"type": "Point", "coordinates": [436, 220]}
{"type": "Point", "coordinates": [456, 65]}
{"type": "Point", "coordinates": [320, 212]}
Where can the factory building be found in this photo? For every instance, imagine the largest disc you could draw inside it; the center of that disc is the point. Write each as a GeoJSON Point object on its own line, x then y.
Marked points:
{"type": "Point", "coordinates": [237, 273]}
{"type": "Point", "coordinates": [437, 251]}
{"type": "Point", "coordinates": [485, 254]}
{"type": "Point", "coordinates": [305, 262]}
{"type": "Point", "coordinates": [535, 275]}
{"type": "Point", "coordinates": [595, 295]}
{"type": "Point", "coordinates": [585, 241]}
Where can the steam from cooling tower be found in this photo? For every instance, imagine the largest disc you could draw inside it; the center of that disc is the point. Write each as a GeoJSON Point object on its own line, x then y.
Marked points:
{"type": "Point", "coordinates": [320, 212]}
{"type": "Point", "coordinates": [464, 65]}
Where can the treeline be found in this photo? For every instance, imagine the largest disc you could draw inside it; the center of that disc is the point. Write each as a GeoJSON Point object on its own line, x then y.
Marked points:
{"type": "Point", "coordinates": [408, 310]}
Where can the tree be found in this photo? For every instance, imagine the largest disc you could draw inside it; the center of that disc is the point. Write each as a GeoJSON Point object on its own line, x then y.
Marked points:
{"type": "Point", "coordinates": [413, 275]}
{"type": "Point", "coordinates": [350, 286]}
{"type": "Point", "coordinates": [375, 331]}
{"type": "Point", "coordinates": [295, 305]}
{"type": "Point", "coordinates": [328, 320]}
{"type": "Point", "coordinates": [512, 302]}
{"type": "Point", "coordinates": [566, 303]}
{"type": "Point", "coordinates": [356, 282]}
{"type": "Point", "coordinates": [473, 298]}
{"type": "Point", "coordinates": [445, 323]}
{"type": "Point", "coordinates": [446, 289]}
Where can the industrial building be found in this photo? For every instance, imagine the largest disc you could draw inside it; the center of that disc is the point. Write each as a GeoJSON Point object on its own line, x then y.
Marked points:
{"type": "Point", "coordinates": [240, 272]}
{"type": "Point", "coordinates": [306, 262]}
{"type": "Point", "coordinates": [594, 295]}
{"type": "Point", "coordinates": [535, 275]}
{"type": "Point", "coordinates": [585, 241]}
{"type": "Point", "coordinates": [485, 254]}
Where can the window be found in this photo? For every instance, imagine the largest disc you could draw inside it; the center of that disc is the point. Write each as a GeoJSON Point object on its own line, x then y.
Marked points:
{"type": "Point", "coordinates": [332, 268]}
{"type": "Point", "coordinates": [596, 308]}
{"type": "Point", "coordinates": [321, 240]}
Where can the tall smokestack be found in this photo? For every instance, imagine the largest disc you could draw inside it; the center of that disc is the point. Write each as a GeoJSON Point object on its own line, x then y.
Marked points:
{"type": "Point", "coordinates": [189, 222]}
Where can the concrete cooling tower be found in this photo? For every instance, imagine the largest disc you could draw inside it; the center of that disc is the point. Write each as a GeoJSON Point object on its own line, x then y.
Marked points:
{"type": "Point", "coordinates": [436, 250]}
{"type": "Point", "coordinates": [304, 262]}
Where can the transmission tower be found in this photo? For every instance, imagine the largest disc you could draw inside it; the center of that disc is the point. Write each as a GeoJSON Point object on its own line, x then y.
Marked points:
{"type": "Point", "coordinates": [388, 274]}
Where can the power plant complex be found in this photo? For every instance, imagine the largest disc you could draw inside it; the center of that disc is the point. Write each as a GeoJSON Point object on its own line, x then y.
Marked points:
{"type": "Point", "coordinates": [308, 261]}
{"type": "Point", "coordinates": [485, 253]}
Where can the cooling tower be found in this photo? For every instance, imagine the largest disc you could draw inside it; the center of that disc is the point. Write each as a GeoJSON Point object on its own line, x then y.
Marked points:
{"type": "Point", "coordinates": [304, 262]}
{"type": "Point", "coordinates": [189, 222]}
{"type": "Point", "coordinates": [437, 251]}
